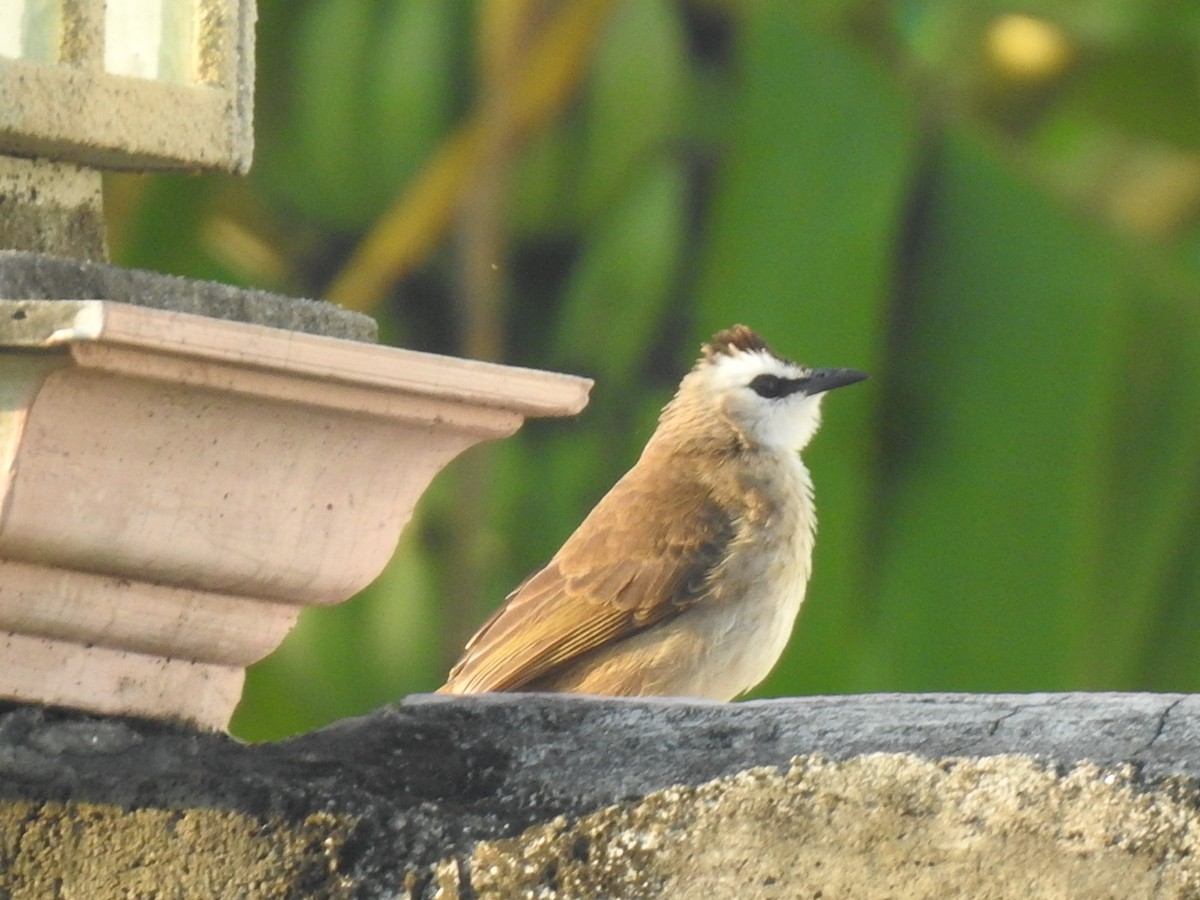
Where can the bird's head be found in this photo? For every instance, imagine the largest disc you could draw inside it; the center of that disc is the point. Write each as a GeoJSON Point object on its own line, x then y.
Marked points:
{"type": "Point", "coordinates": [740, 385]}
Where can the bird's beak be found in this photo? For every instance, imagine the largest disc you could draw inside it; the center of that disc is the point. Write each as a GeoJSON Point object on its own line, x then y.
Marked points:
{"type": "Point", "coordinates": [822, 380]}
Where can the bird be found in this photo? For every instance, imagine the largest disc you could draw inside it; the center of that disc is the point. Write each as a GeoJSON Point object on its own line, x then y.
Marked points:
{"type": "Point", "coordinates": [686, 578]}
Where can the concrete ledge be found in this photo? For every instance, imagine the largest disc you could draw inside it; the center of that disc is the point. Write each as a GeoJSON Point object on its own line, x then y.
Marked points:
{"type": "Point", "coordinates": [1057, 795]}
{"type": "Point", "coordinates": [32, 276]}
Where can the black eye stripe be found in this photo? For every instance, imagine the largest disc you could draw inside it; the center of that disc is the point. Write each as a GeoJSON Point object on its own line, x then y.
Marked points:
{"type": "Point", "coordinates": [770, 386]}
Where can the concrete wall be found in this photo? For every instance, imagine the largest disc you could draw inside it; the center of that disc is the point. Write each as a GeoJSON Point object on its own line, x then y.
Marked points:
{"type": "Point", "coordinates": [557, 796]}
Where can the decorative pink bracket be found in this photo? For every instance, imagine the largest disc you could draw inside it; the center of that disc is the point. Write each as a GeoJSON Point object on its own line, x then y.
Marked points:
{"type": "Point", "coordinates": [176, 488]}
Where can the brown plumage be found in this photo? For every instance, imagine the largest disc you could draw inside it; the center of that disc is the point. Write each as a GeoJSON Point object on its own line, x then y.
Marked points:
{"type": "Point", "coordinates": [651, 592]}
{"type": "Point", "coordinates": [737, 339]}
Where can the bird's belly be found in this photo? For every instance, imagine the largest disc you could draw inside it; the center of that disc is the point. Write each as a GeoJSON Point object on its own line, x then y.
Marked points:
{"type": "Point", "coordinates": [747, 637]}
{"type": "Point", "coordinates": [715, 651]}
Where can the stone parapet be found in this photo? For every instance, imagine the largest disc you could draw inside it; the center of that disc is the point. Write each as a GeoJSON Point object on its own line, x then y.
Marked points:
{"type": "Point", "coordinates": [1050, 795]}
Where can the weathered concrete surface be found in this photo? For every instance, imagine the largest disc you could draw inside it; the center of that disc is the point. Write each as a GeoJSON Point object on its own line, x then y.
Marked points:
{"type": "Point", "coordinates": [874, 826]}
{"type": "Point", "coordinates": [51, 207]}
{"type": "Point", "coordinates": [32, 276]}
{"type": "Point", "coordinates": [557, 796]}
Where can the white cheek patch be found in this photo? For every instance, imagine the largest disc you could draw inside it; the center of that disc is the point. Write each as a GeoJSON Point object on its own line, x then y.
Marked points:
{"type": "Point", "coordinates": [791, 422]}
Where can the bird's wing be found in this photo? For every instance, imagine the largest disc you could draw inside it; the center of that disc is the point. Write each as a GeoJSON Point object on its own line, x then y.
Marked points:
{"type": "Point", "coordinates": [616, 575]}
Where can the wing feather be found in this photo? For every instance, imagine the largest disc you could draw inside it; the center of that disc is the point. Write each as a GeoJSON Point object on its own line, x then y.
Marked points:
{"type": "Point", "coordinates": [615, 576]}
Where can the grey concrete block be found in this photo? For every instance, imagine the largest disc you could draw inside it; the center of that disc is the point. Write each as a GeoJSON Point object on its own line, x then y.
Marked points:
{"type": "Point", "coordinates": [32, 276]}
{"type": "Point", "coordinates": [1071, 795]}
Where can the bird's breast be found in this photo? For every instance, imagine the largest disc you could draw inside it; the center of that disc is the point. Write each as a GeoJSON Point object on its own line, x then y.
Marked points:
{"type": "Point", "coordinates": [763, 584]}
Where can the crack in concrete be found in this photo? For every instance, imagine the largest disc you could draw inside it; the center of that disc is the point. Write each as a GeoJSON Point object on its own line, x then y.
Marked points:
{"type": "Point", "coordinates": [997, 723]}
{"type": "Point", "coordinates": [1161, 725]}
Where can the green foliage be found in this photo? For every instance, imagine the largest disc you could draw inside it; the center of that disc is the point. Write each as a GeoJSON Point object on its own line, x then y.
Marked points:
{"type": "Point", "coordinates": [1008, 362]}
{"type": "Point", "coordinates": [371, 86]}
{"type": "Point", "coordinates": [627, 116]}
{"type": "Point", "coordinates": [1011, 503]}
{"type": "Point", "coordinates": [621, 285]}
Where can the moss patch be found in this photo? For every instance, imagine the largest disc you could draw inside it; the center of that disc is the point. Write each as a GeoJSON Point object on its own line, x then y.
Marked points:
{"type": "Point", "coordinates": [99, 851]}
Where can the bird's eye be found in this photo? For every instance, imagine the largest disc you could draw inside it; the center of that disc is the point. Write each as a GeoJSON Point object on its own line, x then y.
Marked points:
{"type": "Point", "coordinates": [769, 386]}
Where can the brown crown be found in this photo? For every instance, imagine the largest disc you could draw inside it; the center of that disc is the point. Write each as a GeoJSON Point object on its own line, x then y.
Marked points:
{"type": "Point", "coordinates": [738, 339]}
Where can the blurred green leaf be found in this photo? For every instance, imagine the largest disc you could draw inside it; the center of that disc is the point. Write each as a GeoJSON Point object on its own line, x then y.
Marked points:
{"type": "Point", "coordinates": [1138, 88]}
{"type": "Point", "coordinates": [539, 202]}
{"type": "Point", "coordinates": [377, 96]}
{"type": "Point", "coordinates": [1169, 662]}
{"type": "Point", "coordinates": [1005, 368]}
{"type": "Point", "coordinates": [1149, 501]}
{"type": "Point", "coordinates": [634, 98]}
{"type": "Point", "coordinates": [618, 292]}
{"type": "Point", "coordinates": [167, 236]}
{"type": "Point", "coordinates": [326, 106]}
{"type": "Point", "coordinates": [415, 76]}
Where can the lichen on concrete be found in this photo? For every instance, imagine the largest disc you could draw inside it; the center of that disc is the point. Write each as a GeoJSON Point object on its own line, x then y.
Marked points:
{"type": "Point", "coordinates": [883, 825]}
{"type": "Point", "coordinates": [102, 851]}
